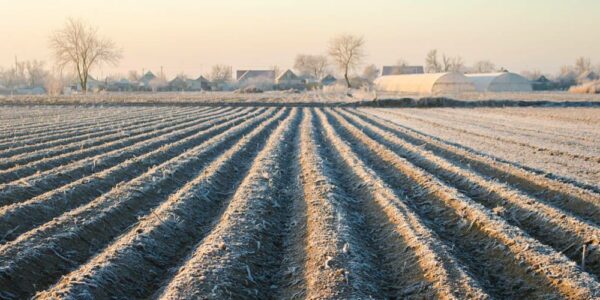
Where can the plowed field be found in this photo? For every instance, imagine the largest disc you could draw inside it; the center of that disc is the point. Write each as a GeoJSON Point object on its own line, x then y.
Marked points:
{"type": "Point", "coordinates": [294, 203]}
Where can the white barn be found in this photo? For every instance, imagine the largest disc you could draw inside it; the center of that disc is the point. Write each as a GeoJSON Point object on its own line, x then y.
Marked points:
{"type": "Point", "coordinates": [433, 83]}
{"type": "Point", "coordinates": [500, 82]}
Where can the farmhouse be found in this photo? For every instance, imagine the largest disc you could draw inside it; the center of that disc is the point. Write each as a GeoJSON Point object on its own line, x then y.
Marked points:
{"type": "Point", "coordinates": [121, 85]}
{"type": "Point", "coordinates": [288, 79]}
{"type": "Point", "coordinates": [146, 79]}
{"type": "Point", "coordinates": [542, 83]}
{"type": "Point", "coordinates": [434, 83]}
{"type": "Point", "coordinates": [328, 80]}
{"type": "Point", "coordinates": [500, 82]}
{"type": "Point", "coordinates": [400, 70]}
{"type": "Point", "coordinates": [200, 84]}
{"type": "Point", "coordinates": [178, 83]}
{"type": "Point", "coordinates": [245, 75]}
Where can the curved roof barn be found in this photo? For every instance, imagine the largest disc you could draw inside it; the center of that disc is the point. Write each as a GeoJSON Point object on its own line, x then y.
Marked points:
{"type": "Point", "coordinates": [433, 83]}
{"type": "Point", "coordinates": [500, 82]}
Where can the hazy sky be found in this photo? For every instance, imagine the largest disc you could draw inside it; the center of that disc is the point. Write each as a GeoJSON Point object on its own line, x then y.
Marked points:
{"type": "Point", "coordinates": [190, 36]}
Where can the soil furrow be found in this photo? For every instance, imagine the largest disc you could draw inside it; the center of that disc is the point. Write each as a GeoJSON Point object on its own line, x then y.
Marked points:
{"type": "Point", "coordinates": [39, 257]}
{"type": "Point", "coordinates": [50, 133]}
{"type": "Point", "coordinates": [37, 156]}
{"type": "Point", "coordinates": [562, 231]}
{"type": "Point", "coordinates": [20, 217]}
{"type": "Point", "coordinates": [245, 236]}
{"type": "Point", "coordinates": [36, 184]}
{"type": "Point", "coordinates": [140, 258]}
{"type": "Point", "coordinates": [583, 203]}
{"type": "Point", "coordinates": [405, 240]}
{"type": "Point", "coordinates": [505, 140]}
{"type": "Point", "coordinates": [60, 121]}
{"type": "Point", "coordinates": [508, 262]}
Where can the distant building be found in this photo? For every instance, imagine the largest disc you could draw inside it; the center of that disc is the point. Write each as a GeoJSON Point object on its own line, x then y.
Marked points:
{"type": "Point", "coordinates": [38, 90]}
{"type": "Point", "coordinates": [92, 84]}
{"type": "Point", "coordinates": [432, 83]}
{"type": "Point", "coordinates": [500, 82]}
{"type": "Point", "coordinates": [401, 70]}
{"type": "Point", "coordinates": [328, 80]}
{"type": "Point", "coordinates": [245, 75]}
{"type": "Point", "coordinates": [200, 84]}
{"type": "Point", "coordinates": [178, 83]}
{"type": "Point", "coordinates": [542, 83]}
{"type": "Point", "coordinates": [145, 81]}
{"type": "Point", "coordinates": [289, 79]}
{"type": "Point", "coordinates": [121, 85]}
{"type": "Point", "coordinates": [587, 77]}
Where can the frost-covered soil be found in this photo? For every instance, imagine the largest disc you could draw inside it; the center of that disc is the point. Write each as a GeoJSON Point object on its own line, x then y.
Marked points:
{"type": "Point", "coordinates": [557, 142]}
{"type": "Point", "coordinates": [327, 97]}
{"type": "Point", "coordinates": [180, 202]}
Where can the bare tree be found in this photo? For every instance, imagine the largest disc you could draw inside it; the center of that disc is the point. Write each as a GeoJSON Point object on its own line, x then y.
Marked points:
{"type": "Point", "coordinates": [56, 82]}
{"type": "Point", "coordinates": [452, 64]}
{"type": "Point", "coordinates": [432, 64]}
{"type": "Point", "coordinates": [370, 73]}
{"type": "Point", "coordinates": [311, 65]}
{"type": "Point", "coordinates": [484, 66]}
{"type": "Point", "coordinates": [15, 77]}
{"type": "Point", "coordinates": [401, 62]}
{"type": "Point", "coordinates": [133, 76]}
{"type": "Point", "coordinates": [347, 51]}
{"type": "Point", "coordinates": [36, 74]}
{"type": "Point", "coordinates": [582, 64]}
{"type": "Point", "coordinates": [221, 74]}
{"type": "Point", "coordinates": [79, 46]}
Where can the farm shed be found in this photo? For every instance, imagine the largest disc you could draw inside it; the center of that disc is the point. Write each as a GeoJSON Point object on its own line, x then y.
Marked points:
{"type": "Point", "coordinates": [500, 82]}
{"type": "Point", "coordinates": [434, 83]}
{"type": "Point", "coordinates": [288, 78]}
{"type": "Point", "coordinates": [399, 70]}
{"type": "Point", "coordinates": [328, 80]}
{"type": "Point", "coordinates": [244, 75]}
{"type": "Point", "coordinates": [200, 84]}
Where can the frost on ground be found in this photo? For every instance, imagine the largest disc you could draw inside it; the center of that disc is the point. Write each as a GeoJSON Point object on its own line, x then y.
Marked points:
{"type": "Point", "coordinates": [329, 95]}
{"type": "Point", "coordinates": [215, 202]}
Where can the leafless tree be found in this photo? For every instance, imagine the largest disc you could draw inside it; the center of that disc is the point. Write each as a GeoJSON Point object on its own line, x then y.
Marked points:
{"type": "Point", "coordinates": [133, 76]}
{"type": "Point", "coordinates": [79, 46]}
{"type": "Point", "coordinates": [36, 74]}
{"type": "Point", "coordinates": [14, 77]}
{"type": "Point", "coordinates": [220, 74]}
{"type": "Point", "coordinates": [401, 62]}
{"type": "Point", "coordinates": [56, 82]}
{"type": "Point", "coordinates": [370, 73]}
{"type": "Point", "coordinates": [582, 64]}
{"type": "Point", "coordinates": [311, 65]}
{"type": "Point", "coordinates": [432, 64]}
{"type": "Point", "coordinates": [347, 51]}
{"type": "Point", "coordinates": [452, 64]}
{"type": "Point", "coordinates": [484, 66]}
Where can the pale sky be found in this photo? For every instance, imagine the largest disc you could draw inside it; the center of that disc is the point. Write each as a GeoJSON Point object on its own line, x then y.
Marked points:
{"type": "Point", "coordinates": [190, 36]}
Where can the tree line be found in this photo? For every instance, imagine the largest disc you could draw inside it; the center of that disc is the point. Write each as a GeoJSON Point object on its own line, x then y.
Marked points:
{"type": "Point", "coordinates": [78, 48]}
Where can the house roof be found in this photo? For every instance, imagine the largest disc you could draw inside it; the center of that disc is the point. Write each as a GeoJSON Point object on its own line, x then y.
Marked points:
{"type": "Point", "coordinates": [329, 77]}
{"type": "Point", "coordinates": [147, 77]}
{"type": "Point", "coordinates": [202, 79]}
{"type": "Point", "coordinates": [399, 70]}
{"type": "Point", "coordinates": [289, 74]}
{"type": "Point", "coordinates": [256, 74]}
